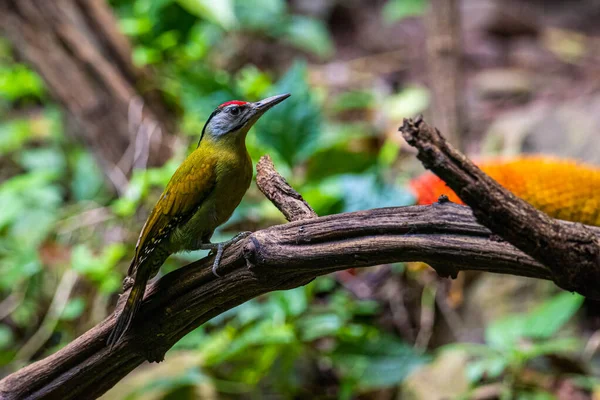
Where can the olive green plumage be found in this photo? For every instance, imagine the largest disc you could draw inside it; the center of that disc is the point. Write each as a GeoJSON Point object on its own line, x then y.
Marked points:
{"type": "Point", "coordinates": [201, 195]}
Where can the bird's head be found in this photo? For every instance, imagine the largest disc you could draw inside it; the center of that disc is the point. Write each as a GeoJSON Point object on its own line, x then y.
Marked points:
{"type": "Point", "coordinates": [233, 119]}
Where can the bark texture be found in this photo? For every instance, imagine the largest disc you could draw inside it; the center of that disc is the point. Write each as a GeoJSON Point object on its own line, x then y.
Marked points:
{"type": "Point", "coordinates": [570, 250]}
{"type": "Point", "coordinates": [75, 45]}
{"type": "Point", "coordinates": [445, 235]}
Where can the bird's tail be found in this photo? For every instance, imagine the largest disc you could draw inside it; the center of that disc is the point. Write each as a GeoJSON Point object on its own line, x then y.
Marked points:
{"type": "Point", "coordinates": [131, 307]}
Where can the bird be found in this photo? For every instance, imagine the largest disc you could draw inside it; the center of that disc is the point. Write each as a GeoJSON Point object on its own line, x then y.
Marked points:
{"type": "Point", "coordinates": [200, 196]}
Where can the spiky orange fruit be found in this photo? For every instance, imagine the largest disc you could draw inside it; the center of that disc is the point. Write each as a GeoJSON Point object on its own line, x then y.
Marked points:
{"type": "Point", "coordinates": [563, 189]}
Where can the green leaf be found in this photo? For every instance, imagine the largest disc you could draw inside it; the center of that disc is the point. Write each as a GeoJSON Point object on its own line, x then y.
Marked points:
{"type": "Point", "coordinates": [309, 34]}
{"type": "Point", "coordinates": [548, 318]}
{"type": "Point", "coordinates": [88, 180]}
{"type": "Point", "coordinates": [201, 38]}
{"type": "Point", "coordinates": [33, 227]}
{"type": "Point", "coordinates": [167, 40]}
{"type": "Point", "coordinates": [294, 302]}
{"type": "Point", "coordinates": [99, 268]}
{"type": "Point", "coordinates": [73, 309]}
{"type": "Point", "coordinates": [6, 336]}
{"type": "Point", "coordinates": [18, 81]}
{"type": "Point", "coordinates": [219, 12]}
{"type": "Point", "coordinates": [353, 100]}
{"type": "Point", "coordinates": [264, 333]}
{"type": "Point", "coordinates": [409, 102]}
{"type": "Point", "coordinates": [173, 384]}
{"type": "Point", "coordinates": [140, 184]}
{"type": "Point", "coordinates": [488, 367]}
{"type": "Point", "coordinates": [396, 10]}
{"type": "Point", "coordinates": [47, 159]}
{"type": "Point", "coordinates": [589, 383]}
{"type": "Point", "coordinates": [388, 153]}
{"type": "Point", "coordinates": [324, 284]}
{"type": "Point", "coordinates": [314, 327]}
{"type": "Point", "coordinates": [366, 307]}
{"type": "Point", "coordinates": [261, 15]}
{"type": "Point", "coordinates": [29, 205]}
{"type": "Point", "coordinates": [376, 362]}
{"type": "Point", "coordinates": [21, 263]}
{"type": "Point", "coordinates": [541, 323]}
{"type": "Point", "coordinates": [253, 83]}
{"type": "Point", "coordinates": [323, 200]}
{"type": "Point", "coordinates": [535, 394]}
{"type": "Point", "coordinates": [14, 134]}
{"type": "Point", "coordinates": [338, 160]}
{"type": "Point", "coordinates": [292, 128]}
{"type": "Point", "coordinates": [366, 191]}
{"type": "Point", "coordinates": [144, 55]}
{"type": "Point", "coordinates": [135, 26]}
{"type": "Point", "coordinates": [554, 346]}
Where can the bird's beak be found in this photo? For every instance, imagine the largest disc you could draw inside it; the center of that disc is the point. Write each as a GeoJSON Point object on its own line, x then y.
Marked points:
{"type": "Point", "coordinates": [262, 106]}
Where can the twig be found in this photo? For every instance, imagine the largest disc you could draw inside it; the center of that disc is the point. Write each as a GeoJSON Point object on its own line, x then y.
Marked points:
{"type": "Point", "coordinates": [275, 188]}
{"type": "Point", "coordinates": [84, 219]}
{"type": "Point", "coordinates": [13, 301]}
{"type": "Point", "coordinates": [571, 251]}
{"type": "Point", "coordinates": [427, 316]}
{"type": "Point", "coordinates": [591, 347]}
{"type": "Point", "coordinates": [452, 318]}
{"type": "Point", "coordinates": [57, 306]}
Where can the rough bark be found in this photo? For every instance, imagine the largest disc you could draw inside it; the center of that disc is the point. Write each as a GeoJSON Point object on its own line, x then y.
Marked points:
{"type": "Point", "coordinates": [445, 235]}
{"type": "Point", "coordinates": [279, 192]}
{"type": "Point", "coordinates": [571, 251]}
{"type": "Point", "coordinates": [75, 45]}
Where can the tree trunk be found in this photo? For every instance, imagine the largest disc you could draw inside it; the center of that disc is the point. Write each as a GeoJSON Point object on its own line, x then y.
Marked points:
{"type": "Point", "coordinates": [75, 45]}
{"type": "Point", "coordinates": [444, 57]}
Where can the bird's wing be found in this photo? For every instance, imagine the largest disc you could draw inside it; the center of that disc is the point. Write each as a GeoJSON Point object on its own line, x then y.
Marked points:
{"type": "Point", "coordinates": [188, 188]}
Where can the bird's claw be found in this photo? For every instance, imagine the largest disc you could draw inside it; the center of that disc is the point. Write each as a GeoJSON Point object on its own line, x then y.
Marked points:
{"type": "Point", "coordinates": [217, 261]}
{"type": "Point", "coordinates": [220, 248]}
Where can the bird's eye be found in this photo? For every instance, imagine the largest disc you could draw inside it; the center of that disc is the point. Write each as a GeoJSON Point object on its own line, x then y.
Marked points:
{"type": "Point", "coordinates": [234, 110]}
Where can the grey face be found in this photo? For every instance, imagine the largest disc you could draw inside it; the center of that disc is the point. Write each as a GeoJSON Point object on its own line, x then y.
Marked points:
{"type": "Point", "coordinates": [235, 115]}
{"type": "Point", "coordinates": [230, 118]}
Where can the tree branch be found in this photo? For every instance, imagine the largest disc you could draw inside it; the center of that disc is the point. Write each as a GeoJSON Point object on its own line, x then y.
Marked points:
{"type": "Point", "coordinates": [444, 235]}
{"type": "Point", "coordinates": [275, 188]}
{"type": "Point", "coordinates": [571, 251]}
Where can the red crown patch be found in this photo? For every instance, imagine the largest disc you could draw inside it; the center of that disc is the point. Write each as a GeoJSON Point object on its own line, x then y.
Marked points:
{"type": "Point", "coordinates": [236, 102]}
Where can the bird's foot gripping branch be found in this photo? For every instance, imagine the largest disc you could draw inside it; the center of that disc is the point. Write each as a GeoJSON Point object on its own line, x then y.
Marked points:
{"type": "Point", "coordinates": [445, 235]}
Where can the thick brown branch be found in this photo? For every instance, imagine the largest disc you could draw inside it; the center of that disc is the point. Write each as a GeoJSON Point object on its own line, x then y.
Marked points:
{"type": "Point", "coordinates": [571, 251]}
{"type": "Point", "coordinates": [277, 258]}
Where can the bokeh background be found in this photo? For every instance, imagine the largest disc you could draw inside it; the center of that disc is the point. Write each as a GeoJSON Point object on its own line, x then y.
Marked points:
{"type": "Point", "coordinates": [82, 162]}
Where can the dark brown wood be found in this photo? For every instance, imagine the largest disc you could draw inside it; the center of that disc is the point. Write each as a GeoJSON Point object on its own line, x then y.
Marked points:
{"type": "Point", "coordinates": [277, 258]}
{"type": "Point", "coordinates": [76, 46]}
{"type": "Point", "coordinates": [444, 61]}
{"type": "Point", "coordinates": [571, 251]}
{"type": "Point", "coordinates": [275, 188]}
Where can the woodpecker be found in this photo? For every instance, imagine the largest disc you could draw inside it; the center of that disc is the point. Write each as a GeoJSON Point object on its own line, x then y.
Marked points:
{"type": "Point", "coordinates": [201, 195]}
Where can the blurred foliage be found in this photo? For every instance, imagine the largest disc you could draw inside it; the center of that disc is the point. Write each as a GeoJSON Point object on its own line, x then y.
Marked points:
{"type": "Point", "coordinates": [396, 10]}
{"type": "Point", "coordinates": [269, 341]}
{"type": "Point", "coordinates": [59, 214]}
{"type": "Point", "coordinates": [517, 342]}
